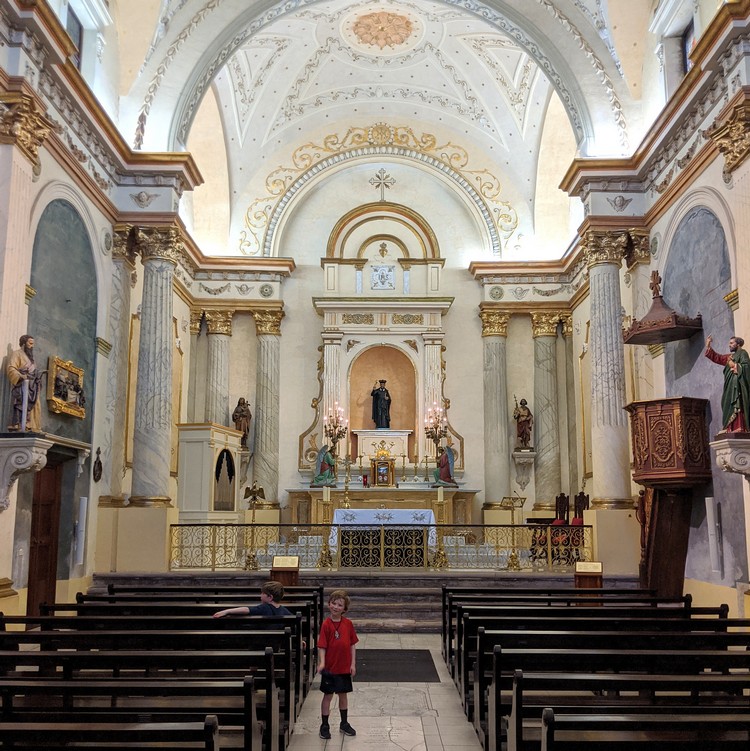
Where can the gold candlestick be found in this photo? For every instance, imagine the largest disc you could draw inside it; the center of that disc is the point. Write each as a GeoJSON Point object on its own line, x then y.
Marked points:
{"type": "Point", "coordinates": [403, 467]}
{"type": "Point", "coordinates": [361, 476]}
{"type": "Point", "coordinates": [426, 468]}
{"type": "Point", "coordinates": [416, 467]}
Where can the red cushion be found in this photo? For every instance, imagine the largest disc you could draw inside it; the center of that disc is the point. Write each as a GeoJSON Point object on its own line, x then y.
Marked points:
{"type": "Point", "coordinates": [576, 521]}
{"type": "Point", "coordinates": [559, 522]}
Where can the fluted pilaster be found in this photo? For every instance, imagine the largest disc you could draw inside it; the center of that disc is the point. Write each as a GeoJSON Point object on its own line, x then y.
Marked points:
{"type": "Point", "coordinates": [570, 396]}
{"type": "Point", "coordinates": [332, 371]}
{"type": "Point", "coordinates": [433, 379]}
{"type": "Point", "coordinates": [266, 457]}
{"type": "Point", "coordinates": [219, 327]}
{"type": "Point", "coordinates": [123, 271]}
{"type": "Point", "coordinates": [547, 475]}
{"type": "Point", "coordinates": [609, 431]}
{"type": "Point", "coordinates": [159, 248]}
{"type": "Point", "coordinates": [496, 418]}
{"type": "Point", "coordinates": [196, 317]}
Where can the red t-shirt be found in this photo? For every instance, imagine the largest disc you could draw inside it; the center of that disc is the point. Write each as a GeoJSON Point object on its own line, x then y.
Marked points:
{"type": "Point", "coordinates": [337, 639]}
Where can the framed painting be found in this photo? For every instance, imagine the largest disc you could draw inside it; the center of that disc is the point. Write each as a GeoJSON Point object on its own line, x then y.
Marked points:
{"type": "Point", "coordinates": [65, 394]}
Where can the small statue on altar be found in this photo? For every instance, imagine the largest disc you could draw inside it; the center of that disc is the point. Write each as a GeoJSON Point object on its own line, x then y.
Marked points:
{"type": "Point", "coordinates": [443, 473]}
{"type": "Point", "coordinates": [381, 405]}
{"type": "Point", "coordinates": [241, 418]}
{"type": "Point", "coordinates": [325, 469]}
{"type": "Point", "coordinates": [524, 423]}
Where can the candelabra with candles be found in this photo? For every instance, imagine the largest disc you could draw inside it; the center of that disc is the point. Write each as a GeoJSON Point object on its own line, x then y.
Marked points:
{"type": "Point", "coordinates": [335, 427]}
{"type": "Point", "coordinates": [436, 426]}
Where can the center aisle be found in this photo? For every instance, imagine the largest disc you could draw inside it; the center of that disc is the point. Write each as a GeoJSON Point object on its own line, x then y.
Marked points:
{"type": "Point", "coordinates": [393, 716]}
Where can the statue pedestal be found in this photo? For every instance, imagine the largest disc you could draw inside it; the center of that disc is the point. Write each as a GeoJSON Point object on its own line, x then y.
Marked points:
{"type": "Point", "coordinates": [524, 460]}
{"type": "Point", "coordinates": [733, 452]}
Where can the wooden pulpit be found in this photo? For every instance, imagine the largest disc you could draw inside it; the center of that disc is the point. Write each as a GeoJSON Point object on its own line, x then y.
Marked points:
{"type": "Point", "coordinates": [671, 456]}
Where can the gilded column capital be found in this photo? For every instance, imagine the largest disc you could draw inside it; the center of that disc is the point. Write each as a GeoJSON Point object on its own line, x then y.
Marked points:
{"type": "Point", "coordinates": [219, 321]}
{"type": "Point", "coordinates": [545, 323]}
{"type": "Point", "coordinates": [196, 316]}
{"type": "Point", "coordinates": [607, 246]}
{"type": "Point", "coordinates": [160, 243]}
{"type": "Point", "coordinates": [732, 137]}
{"type": "Point", "coordinates": [494, 322]}
{"type": "Point", "coordinates": [638, 250]}
{"type": "Point", "coordinates": [567, 324]}
{"type": "Point", "coordinates": [23, 123]}
{"type": "Point", "coordinates": [268, 321]}
{"type": "Point", "coordinates": [124, 243]}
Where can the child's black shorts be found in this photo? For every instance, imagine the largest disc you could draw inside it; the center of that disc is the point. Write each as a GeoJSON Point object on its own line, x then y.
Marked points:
{"type": "Point", "coordinates": [335, 684]}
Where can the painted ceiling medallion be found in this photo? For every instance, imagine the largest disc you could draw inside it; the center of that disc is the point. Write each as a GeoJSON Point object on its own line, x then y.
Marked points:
{"type": "Point", "coordinates": [383, 29]}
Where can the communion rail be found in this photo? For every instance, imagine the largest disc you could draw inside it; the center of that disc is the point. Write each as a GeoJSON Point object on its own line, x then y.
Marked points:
{"type": "Point", "coordinates": [520, 547]}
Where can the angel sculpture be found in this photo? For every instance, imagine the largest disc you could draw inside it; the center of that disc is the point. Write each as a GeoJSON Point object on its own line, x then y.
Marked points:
{"type": "Point", "coordinates": [325, 469]}
{"type": "Point", "coordinates": [443, 473]}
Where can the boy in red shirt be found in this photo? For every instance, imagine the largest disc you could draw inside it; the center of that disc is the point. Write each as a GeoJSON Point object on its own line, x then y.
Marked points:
{"type": "Point", "coordinates": [337, 652]}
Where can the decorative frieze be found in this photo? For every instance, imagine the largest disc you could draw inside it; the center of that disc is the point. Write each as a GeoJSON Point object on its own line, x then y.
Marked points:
{"type": "Point", "coordinates": [363, 319]}
{"type": "Point", "coordinates": [23, 123]}
{"type": "Point", "coordinates": [494, 322]}
{"type": "Point", "coordinates": [545, 323]}
{"type": "Point", "coordinates": [219, 321]}
{"type": "Point", "coordinates": [268, 321]}
{"type": "Point", "coordinates": [408, 319]}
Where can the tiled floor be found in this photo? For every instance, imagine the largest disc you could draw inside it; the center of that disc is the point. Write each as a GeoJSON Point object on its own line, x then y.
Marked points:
{"type": "Point", "coordinates": [393, 716]}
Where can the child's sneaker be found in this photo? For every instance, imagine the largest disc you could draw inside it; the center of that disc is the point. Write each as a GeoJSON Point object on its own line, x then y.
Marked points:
{"type": "Point", "coordinates": [325, 732]}
{"type": "Point", "coordinates": [346, 729]}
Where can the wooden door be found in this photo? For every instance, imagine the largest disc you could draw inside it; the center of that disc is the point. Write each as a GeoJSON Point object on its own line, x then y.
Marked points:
{"type": "Point", "coordinates": [45, 525]}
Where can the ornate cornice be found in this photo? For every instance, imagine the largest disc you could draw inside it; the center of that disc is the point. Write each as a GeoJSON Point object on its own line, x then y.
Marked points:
{"type": "Point", "coordinates": [124, 243]}
{"type": "Point", "coordinates": [219, 321]}
{"type": "Point", "coordinates": [494, 322]}
{"type": "Point", "coordinates": [545, 323]}
{"type": "Point", "coordinates": [732, 137]}
{"type": "Point", "coordinates": [268, 321]}
{"type": "Point", "coordinates": [160, 243]}
{"type": "Point", "coordinates": [604, 247]}
{"type": "Point", "coordinates": [23, 123]}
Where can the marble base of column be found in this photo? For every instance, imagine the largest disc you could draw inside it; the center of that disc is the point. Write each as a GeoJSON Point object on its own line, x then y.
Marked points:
{"type": "Point", "coordinates": [149, 501]}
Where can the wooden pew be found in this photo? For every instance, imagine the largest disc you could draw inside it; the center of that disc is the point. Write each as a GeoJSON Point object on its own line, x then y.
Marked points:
{"type": "Point", "coordinates": [171, 664]}
{"type": "Point", "coordinates": [702, 732]}
{"type": "Point", "coordinates": [579, 599]}
{"type": "Point", "coordinates": [303, 666]}
{"type": "Point", "coordinates": [577, 642]}
{"type": "Point", "coordinates": [452, 592]}
{"type": "Point", "coordinates": [129, 638]}
{"type": "Point", "coordinates": [112, 736]}
{"type": "Point", "coordinates": [593, 619]}
{"type": "Point", "coordinates": [125, 700]}
{"type": "Point", "coordinates": [605, 694]}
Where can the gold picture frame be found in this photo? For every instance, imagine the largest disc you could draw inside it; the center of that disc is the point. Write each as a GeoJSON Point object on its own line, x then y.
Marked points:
{"type": "Point", "coordinates": [383, 472]}
{"type": "Point", "coordinates": [65, 394]}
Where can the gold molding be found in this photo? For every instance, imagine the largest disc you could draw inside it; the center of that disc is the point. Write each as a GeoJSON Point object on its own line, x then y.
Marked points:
{"type": "Point", "coordinates": [24, 123]}
{"type": "Point", "coordinates": [219, 321]}
{"type": "Point", "coordinates": [545, 323]}
{"type": "Point", "coordinates": [638, 250]}
{"type": "Point", "coordinates": [607, 246]}
{"type": "Point", "coordinates": [656, 349]}
{"type": "Point", "coordinates": [124, 243]}
{"type": "Point", "coordinates": [29, 293]}
{"type": "Point", "coordinates": [567, 324]}
{"type": "Point", "coordinates": [149, 501]}
{"type": "Point", "coordinates": [268, 321]}
{"type": "Point", "coordinates": [196, 316]}
{"type": "Point", "coordinates": [111, 501]}
{"type": "Point", "coordinates": [494, 322]}
{"type": "Point", "coordinates": [160, 243]}
{"type": "Point", "coordinates": [6, 588]}
{"type": "Point", "coordinates": [103, 347]}
{"type": "Point", "coordinates": [732, 299]}
{"type": "Point", "coordinates": [732, 137]}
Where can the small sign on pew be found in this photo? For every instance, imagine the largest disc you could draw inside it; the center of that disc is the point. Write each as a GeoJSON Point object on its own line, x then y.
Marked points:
{"type": "Point", "coordinates": [285, 569]}
{"type": "Point", "coordinates": [588, 575]}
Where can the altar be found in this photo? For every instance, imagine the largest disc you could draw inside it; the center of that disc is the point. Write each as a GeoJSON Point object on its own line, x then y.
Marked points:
{"type": "Point", "coordinates": [382, 538]}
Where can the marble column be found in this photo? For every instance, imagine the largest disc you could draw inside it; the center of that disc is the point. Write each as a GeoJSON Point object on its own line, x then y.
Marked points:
{"type": "Point", "coordinates": [23, 130]}
{"type": "Point", "coordinates": [196, 317]}
{"type": "Point", "coordinates": [332, 373]}
{"type": "Point", "coordinates": [123, 278]}
{"type": "Point", "coordinates": [570, 400]}
{"type": "Point", "coordinates": [609, 428]}
{"type": "Point", "coordinates": [266, 457]}
{"type": "Point", "coordinates": [547, 476]}
{"type": "Point", "coordinates": [219, 328]}
{"type": "Point", "coordinates": [496, 417]}
{"type": "Point", "coordinates": [638, 259]}
{"type": "Point", "coordinates": [159, 248]}
{"type": "Point", "coordinates": [433, 381]}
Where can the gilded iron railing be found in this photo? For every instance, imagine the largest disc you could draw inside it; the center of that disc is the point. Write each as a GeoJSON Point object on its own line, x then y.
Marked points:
{"type": "Point", "coordinates": [520, 547]}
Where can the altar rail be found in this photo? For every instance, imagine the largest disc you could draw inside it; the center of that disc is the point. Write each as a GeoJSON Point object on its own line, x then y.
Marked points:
{"type": "Point", "coordinates": [521, 547]}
